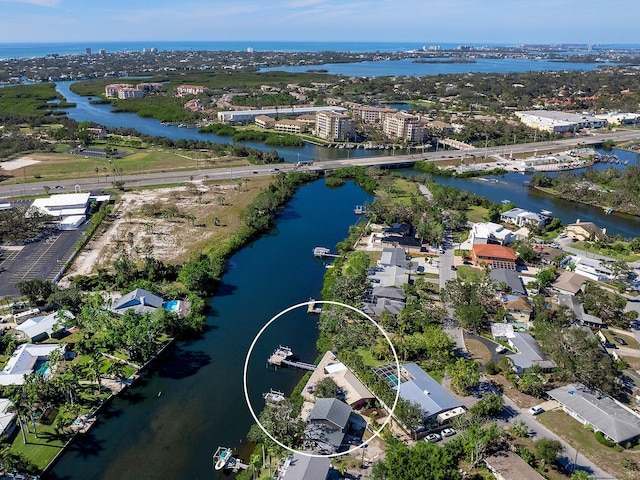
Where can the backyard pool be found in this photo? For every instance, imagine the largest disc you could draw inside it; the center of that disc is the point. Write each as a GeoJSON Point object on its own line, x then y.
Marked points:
{"type": "Point", "coordinates": [171, 305]}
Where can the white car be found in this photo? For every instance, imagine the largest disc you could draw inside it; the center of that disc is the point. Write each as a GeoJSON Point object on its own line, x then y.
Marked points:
{"type": "Point", "coordinates": [500, 348]}
{"type": "Point", "coordinates": [448, 432]}
{"type": "Point", "coordinates": [536, 410]}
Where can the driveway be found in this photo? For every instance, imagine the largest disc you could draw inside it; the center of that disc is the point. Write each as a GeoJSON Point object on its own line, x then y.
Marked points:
{"type": "Point", "coordinates": [513, 413]}
{"type": "Point", "coordinates": [490, 344]}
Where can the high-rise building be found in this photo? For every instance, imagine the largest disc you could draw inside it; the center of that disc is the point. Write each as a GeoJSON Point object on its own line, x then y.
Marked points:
{"type": "Point", "coordinates": [88, 50]}
{"type": "Point", "coordinates": [335, 126]}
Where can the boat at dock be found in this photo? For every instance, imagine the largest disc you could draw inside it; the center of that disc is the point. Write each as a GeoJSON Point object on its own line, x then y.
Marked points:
{"type": "Point", "coordinates": [222, 457]}
{"type": "Point", "coordinates": [608, 211]}
{"type": "Point", "coordinates": [273, 396]}
{"type": "Point", "coordinates": [360, 210]}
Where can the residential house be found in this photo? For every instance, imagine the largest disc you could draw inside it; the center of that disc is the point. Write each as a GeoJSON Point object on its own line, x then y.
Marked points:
{"type": "Point", "coordinates": [138, 300]}
{"type": "Point", "coordinates": [506, 465]}
{"type": "Point", "coordinates": [495, 256]}
{"type": "Point", "coordinates": [591, 268]}
{"type": "Point", "coordinates": [7, 418]}
{"type": "Point", "coordinates": [489, 232]}
{"type": "Point", "coordinates": [510, 279]}
{"type": "Point", "coordinates": [601, 412]}
{"type": "Point", "coordinates": [385, 298]}
{"type": "Point", "coordinates": [393, 257]}
{"type": "Point", "coordinates": [390, 277]}
{"type": "Point", "coordinates": [583, 231]}
{"type": "Point", "coordinates": [327, 425]}
{"type": "Point", "coordinates": [352, 391]}
{"type": "Point", "coordinates": [519, 310]}
{"type": "Point", "coordinates": [548, 255]}
{"type": "Point", "coordinates": [569, 283]}
{"type": "Point", "coordinates": [522, 218]}
{"type": "Point", "coordinates": [528, 353]}
{"type": "Point", "coordinates": [417, 386]}
{"type": "Point", "coordinates": [26, 359]}
{"type": "Point", "coordinates": [304, 467]}
{"type": "Point", "coordinates": [574, 304]}
{"type": "Point", "coordinates": [43, 327]}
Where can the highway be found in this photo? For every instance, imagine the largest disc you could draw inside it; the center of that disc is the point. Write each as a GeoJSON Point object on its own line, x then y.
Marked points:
{"type": "Point", "coordinates": [180, 176]}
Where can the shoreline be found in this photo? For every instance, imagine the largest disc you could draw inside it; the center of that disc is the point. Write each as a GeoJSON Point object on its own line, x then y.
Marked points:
{"type": "Point", "coordinates": [550, 192]}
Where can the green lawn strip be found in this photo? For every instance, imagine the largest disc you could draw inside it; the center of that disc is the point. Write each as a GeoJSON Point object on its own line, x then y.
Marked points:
{"type": "Point", "coordinates": [477, 214]}
{"type": "Point", "coordinates": [470, 273]}
{"type": "Point", "coordinates": [584, 440]}
{"type": "Point", "coordinates": [607, 252]}
{"type": "Point", "coordinates": [39, 451]}
{"type": "Point", "coordinates": [368, 358]}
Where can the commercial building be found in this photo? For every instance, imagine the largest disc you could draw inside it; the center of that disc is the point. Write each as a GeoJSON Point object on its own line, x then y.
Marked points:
{"type": "Point", "coordinates": [620, 118]}
{"type": "Point", "coordinates": [334, 126]}
{"type": "Point", "coordinates": [190, 89]}
{"type": "Point", "coordinates": [62, 205]}
{"type": "Point", "coordinates": [238, 116]}
{"type": "Point", "coordinates": [559, 122]}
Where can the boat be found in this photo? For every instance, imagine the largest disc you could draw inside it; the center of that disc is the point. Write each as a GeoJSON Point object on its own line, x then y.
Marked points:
{"type": "Point", "coordinates": [222, 457]}
{"type": "Point", "coordinates": [608, 211]}
{"type": "Point", "coordinates": [273, 396]}
{"type": "Point", "coordinates": [505, 202]}
{"type": "Point", "coordinates": [320, 251]}
{"type": "Point", "coordinates": [360, 209]}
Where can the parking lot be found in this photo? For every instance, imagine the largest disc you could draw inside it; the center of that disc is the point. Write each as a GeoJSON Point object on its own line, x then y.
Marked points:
{"type": "Point", "coordinates": [41, 259]}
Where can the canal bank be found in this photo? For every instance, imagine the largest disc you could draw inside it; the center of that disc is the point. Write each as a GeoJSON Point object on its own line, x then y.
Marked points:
{"type": "Point", "coordinates": [143, 435]}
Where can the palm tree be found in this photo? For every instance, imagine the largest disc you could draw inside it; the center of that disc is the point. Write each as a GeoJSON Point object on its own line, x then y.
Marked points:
{"type": "Point", "coordinates": [95, 369]}
{"type": "Point", "coordinates": [19, 407]}
{"type": "Point", "coordinates": [116, 369]}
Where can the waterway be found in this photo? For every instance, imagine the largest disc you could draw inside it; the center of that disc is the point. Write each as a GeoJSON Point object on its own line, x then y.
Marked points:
{"type": "Point", "coordinates": [173, 434]}
{"type": "Point", "coordinates": [507, 187]}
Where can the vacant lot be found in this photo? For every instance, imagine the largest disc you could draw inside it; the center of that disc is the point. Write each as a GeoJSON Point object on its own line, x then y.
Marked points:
{"type": "Point", "coordinates": [169, 223]}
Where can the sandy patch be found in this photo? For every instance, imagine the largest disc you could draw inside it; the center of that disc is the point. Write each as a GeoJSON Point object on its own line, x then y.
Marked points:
{"type": "Point", "coordinates": [163, 223]}
{"type": "Point", "coordinates": [18, 163]}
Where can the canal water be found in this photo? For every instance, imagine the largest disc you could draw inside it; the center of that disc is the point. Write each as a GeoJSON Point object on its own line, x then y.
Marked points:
{"type": "Point", "coordinates": [171, 422]}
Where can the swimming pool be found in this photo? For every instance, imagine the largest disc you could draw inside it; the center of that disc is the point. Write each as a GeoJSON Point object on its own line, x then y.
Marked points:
{"type": "Point", "coordinates": [171, 305]}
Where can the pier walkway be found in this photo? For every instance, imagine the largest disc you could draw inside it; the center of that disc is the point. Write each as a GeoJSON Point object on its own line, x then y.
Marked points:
{"type": "Point", "coordinates": [280, 357]}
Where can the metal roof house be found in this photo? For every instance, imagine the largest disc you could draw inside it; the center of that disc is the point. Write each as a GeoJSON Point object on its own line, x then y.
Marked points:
{"type": "Point", "coordinates": [138, 300]}
{"type": "Point", "coordinates": [7, 417]}
{"type": "Point", "coordinates": [602, 412]}
{"type": "Point", "coordinates": [578, 311]}
{"type": "Point", "coordinates": [510, 278]}
{"type": "Point", "coordinates": [420, 388]}
{"type": "Point", "coordinates": [327, 424]}
{"type": "Point", "coordinates": [507, 465]}
{"type": "Point", "coordinates": [393, 257]}
{"type": "Point", "coordinates": [25, 359]}
{"type": "Point", "coordinates": [304, 467]}
{"type": "Point", "coordinates": [40, 328]}
{"type": "Point", "coordinates": [529, 353]}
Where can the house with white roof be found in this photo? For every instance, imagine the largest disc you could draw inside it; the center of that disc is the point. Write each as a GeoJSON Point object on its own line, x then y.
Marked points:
{"type": "Point", "coordinates": [40, 328]}
{"type": "Point", "coordinates": [591, 268]}
{"type": "Point", "coordinates": [62, 205]}
{"type": "Point", "coordinates": [26, 359]}
{"type": "Point", "coordinates": [601, 412]}
{"type": "Point", "coordinates": [7, 418]}
{"type": "Point", "coordinates": [522, 217]}
{"type": "Point", "coordinates": [489, 232]}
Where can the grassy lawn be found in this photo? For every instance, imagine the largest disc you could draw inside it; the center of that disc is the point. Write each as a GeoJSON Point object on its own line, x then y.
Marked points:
{"type": "Point", "coordinates": [470, 273]}
{"type": "Point", "coordinates": [477, 214]}
{"type": "Point", "coordinates": [39, 451]}
{"type": "Point", "coordinates": [578, 437]}
{"type": "Point", "coordinates": [478, 351]}
{"type": "Point", "coordinates": [368, 358]}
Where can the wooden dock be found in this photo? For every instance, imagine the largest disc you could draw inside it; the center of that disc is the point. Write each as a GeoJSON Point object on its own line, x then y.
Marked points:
{"type": "Point", "coordinates": [280, 357]}
{"type": "Point", "coordinates": [311, 308]}
{"type": "Point", "coordinates": [322, 252]}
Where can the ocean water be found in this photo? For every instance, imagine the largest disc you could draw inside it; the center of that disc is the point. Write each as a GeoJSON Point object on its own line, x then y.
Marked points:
{"type": "Point", "coordinates": [29, 50]}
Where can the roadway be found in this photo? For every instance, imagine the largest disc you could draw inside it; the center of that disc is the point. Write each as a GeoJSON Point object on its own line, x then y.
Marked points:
{"type": "Point", "coordinates": [226, 173]}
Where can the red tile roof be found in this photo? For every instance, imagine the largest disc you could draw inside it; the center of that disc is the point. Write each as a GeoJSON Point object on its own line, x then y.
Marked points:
{"type": "Point", "coordinates": [494, 251]}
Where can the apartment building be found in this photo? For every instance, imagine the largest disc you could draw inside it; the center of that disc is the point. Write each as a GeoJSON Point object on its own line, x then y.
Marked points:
{"type": "Point", "coordinates": [190, 89]}
{"type": "Point", "coordinates": [370, 115]}
{"type": "Point", "coordinates": [265, 121]}
{"type": "Point", "coordinates": [290, 126]}
{"type": "Point", "coordinates": [403, 126]}
{"type": "Point", "coordinates": [112, 89]}
{"type": "Point", "coordinates": [334, 126]}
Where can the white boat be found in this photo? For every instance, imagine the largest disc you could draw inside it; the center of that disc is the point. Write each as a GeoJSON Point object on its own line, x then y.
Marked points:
{"type": "Point", "coordinates": [222, 457]}
{"type": "Point", "coordinates": [360, 209]}
{"type": "Point", "coordinates": [273, 396]}
{"type": "Point", "coordinates": [506, 202]}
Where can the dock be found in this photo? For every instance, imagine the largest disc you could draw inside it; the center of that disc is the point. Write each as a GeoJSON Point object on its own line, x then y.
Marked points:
{"type": "Point", "coordinates": [312, 309]}
{"type": "Point", "coordinates": [280, 357]}
{"type": "Point", "coordinates": [360, 210]}
{"type": "Point", "coordinates": [321, 252]}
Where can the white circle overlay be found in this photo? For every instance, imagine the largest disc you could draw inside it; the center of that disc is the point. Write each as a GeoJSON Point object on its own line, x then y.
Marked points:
{"type": "Point", "coordinates": [246, 367]}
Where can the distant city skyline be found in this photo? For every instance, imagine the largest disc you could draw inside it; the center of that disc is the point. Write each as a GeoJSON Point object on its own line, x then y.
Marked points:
{"type": "Point", "coordinates": [420, 21]}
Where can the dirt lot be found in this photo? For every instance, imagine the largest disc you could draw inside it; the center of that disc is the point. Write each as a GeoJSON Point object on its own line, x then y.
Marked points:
{"type": "Point", "coordinates": [170, 223]}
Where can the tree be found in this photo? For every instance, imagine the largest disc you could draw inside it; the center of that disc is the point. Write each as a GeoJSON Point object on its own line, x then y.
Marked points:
{"type": "Point", "coordinates": [326, 388]}
{"type": "Point", "coordinates": [464, 374]}
{"type": "Point", "coordinates": [36, 290]}
{"type": "Point", "coordinates": [545, 277]}
{"type": "Point", "coordinates": [580, 475]}
{"type": "Point", "coordinates": [199, 276]}
{"type": "Point", "coordinates": [489, 406]}
{"type": "Point", "coordinates": [519, 429]}
{"type": "Point", "coordinates": [532, 381]}
{"type": "Point", "coordinates": [95, 369]}
{"type": "Point", "coordinates": [547, 450]}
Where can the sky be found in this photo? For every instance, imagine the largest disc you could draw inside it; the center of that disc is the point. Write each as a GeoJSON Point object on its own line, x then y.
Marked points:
{"type": "Point", "coordinates": [420, 21]}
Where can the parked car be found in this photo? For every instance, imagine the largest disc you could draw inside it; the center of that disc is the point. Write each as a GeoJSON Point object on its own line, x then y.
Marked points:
{"type": "Point", "coordinates": [448, 432]}
{"type": "Point", "coordinates": [433, 437]}
{"type": "Point", "coordinates": [537, 410]}
{"type": "Point", "coordinates": [500, 349]}
{"type": "Point", "coordinates": [619, 340]}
